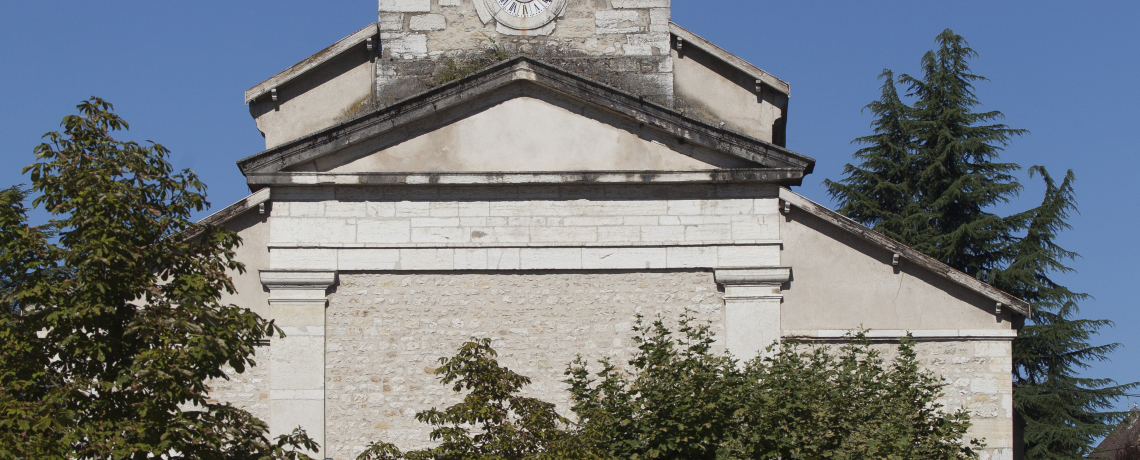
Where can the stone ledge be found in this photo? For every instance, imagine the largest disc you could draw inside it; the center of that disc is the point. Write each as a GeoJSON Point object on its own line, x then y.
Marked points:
{"type": "Point", "coordinates": [920, 334]}
{"type": "Point", "coordinates": [515, 259]}
{"type": "Point", "coordinates": [750, 175]}
{"type": "Point", "coordinates": [753, 276]}
{"type": "Point", "coordinates": [637, 244]}
{"type": "Point", "coordinates": [294, 279]}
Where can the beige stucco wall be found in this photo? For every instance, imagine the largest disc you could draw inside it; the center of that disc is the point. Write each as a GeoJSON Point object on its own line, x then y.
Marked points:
{"type": "Point", "coordinates": [253, 228]}
{"type": "Point", "coordinates": [528, 134]}
{"type": "Point", "coordinates": [710, 90]}
{"type": "Point", "coordinates": [249, 390]}
{"type": "Point", "coordinates": [840, 281]}
{"type": "Point", "coordinates": [386, 333]}
{"type": "Point", "coordinates": [333, 92]}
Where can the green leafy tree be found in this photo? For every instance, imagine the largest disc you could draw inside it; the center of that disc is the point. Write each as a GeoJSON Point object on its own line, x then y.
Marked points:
{"type": "Point", "coordinates": [678, 399]}
{"type": "Point", "coordinates": [492, 422]}
{"type": "Point", "coordinates": [1065, 413]}
{"type": "Point", "coordinates": [114, 323]}
{"type": "Point", "coordinates": [930, 176]}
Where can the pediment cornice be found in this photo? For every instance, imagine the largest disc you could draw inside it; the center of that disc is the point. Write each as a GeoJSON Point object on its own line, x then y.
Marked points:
{"type": "Point", "coordinates": [524, 77]}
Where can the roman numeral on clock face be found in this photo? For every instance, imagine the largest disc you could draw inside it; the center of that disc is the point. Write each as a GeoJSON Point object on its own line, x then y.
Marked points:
{"type": "Point", "coordinates": [525, 8]}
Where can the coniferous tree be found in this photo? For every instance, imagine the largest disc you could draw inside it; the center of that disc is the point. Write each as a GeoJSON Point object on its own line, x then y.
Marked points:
{"type": "Point", "coordinates": [1062, 410]}
{"type": "Point", "coordinates": [959, 178]}
{"type": "Point", "coordinates": [929, 177]}
{"type": "Point", "coordinates": [879, 192]}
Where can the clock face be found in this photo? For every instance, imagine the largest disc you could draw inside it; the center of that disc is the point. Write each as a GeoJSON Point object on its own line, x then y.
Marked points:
{"type": "Point", "coordinates": [524, 8]}
{"type": "Point", "coordinates": [522, 15]}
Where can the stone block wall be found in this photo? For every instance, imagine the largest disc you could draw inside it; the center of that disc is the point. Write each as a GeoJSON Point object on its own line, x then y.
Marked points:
{"type": "Point", "coordinates": [386, 333]}
{"type": "Point", "coordinates": [624, 43]}
{"type": "Point", "coordinates": [979, 381]}
{"type": "Point", "coordinates": [507, 228]}
{"type": "Point", "coordinates": [247, 390]}
{"type": "Point", "coordinates": [977, 375]}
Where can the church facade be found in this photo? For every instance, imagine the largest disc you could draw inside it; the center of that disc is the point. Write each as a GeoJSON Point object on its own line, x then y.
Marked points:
{"type": "Point", "coordinates": [540, 173]}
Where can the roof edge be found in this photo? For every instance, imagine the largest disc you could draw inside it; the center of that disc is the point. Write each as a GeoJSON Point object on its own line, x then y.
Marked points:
{"type": "Point", "coordinates": [780, 176]}
{"type": "Point", "coordinates": [521, 69]}
{"type": "Point", "coordinates": [312, 62]}
{"type": "Point", "coordinates": [229, 212]}
{"type": "Point", "coordinates": [906, 252]}
{"type": "Point", "coordinates": [731, 59]}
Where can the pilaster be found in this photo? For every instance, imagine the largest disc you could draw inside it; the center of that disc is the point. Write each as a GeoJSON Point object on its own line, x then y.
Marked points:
{"type": "Point", "coordinates": [752, 302]}
{"type": "Point", "coordinates": [297, 301]}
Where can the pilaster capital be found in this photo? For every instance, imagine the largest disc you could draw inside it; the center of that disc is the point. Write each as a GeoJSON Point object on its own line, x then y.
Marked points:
{"type": "Point", "coordinates": [297, 286]}
{"type": "Point", "coordinates": [753, 276]}
{"type": "Point", "coordinates": [743, 284]}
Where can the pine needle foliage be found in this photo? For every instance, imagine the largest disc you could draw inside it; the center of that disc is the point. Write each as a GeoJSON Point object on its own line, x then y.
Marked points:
{"type": "Point", "coordinates": [1063, 410]}
{"type": "Point", "coordinates": [879, 192]}
{"type": "Point", "coordinates": [930, 176]}
{"type": "Point", "coordinates": [113, 324]}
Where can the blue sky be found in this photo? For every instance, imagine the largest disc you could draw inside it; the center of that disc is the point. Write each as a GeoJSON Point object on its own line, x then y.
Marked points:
{"type": "Point", "coordinates": [1066, 71]}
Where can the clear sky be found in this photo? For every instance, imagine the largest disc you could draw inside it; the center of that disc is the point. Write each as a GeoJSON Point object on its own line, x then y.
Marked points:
{"type": "Point", "coordinates": [1066, 71]}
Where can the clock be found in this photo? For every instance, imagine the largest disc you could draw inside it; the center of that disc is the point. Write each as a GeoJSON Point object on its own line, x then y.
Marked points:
{"type": "Point", "coordinates": [524, 15]}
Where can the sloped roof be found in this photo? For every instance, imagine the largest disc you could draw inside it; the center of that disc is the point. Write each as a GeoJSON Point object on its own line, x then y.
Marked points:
{"type": "Point", "coordinates": [229, 212]}
{"type": "Point", "coordinates": [312, 62]}
{"type": "Point", "coordinates": [536, 76]}
{"type": "Point", "coordinates": [730, 59]}
{"type": "Point", "coordinates": [906, 253]}
{"type": "Point", "coordinates": [1126, 434]}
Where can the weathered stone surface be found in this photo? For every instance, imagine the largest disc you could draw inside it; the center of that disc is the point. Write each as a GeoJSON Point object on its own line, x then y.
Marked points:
{"type": "Point", "coordinates": [583, 38]}
{"type": "Point", "coordinates": [387, 332]}
{"type": "Point", "coordinates": [248, 390]}
{"type": "Point", "coordinates": [428, 22]}
{"type": "Point", "coordinates": [617, 22]}
{"type": "Point", "coordinates": [391, 21]}
{"type": "Point", "coordinates": [640, 3]}
{"type": "Point", "coordinates": [406, 6]}
{"type": "Point", "coordinates": [405, 46]}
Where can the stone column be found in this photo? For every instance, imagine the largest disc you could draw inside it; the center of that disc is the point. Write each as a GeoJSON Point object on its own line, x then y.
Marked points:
{"type": "Point", "coordinates": [297, 301]}
{"type": "Point", "coordinates": [752, 308]}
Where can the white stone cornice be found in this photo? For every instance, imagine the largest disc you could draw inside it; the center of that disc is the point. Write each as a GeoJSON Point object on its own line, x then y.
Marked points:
{"type": "Point", "coordinates": [298, 279]}
{"type": "Point", "coordinates": [297, 287]}
{"type": "Point", "coordinates": [765, 276]}
{"type": "Point", "coordinates": [917, 334]}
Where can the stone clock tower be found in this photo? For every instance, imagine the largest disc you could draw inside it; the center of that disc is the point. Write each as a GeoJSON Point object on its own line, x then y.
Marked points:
{"type": "Point", "coordinates": [624, 43]}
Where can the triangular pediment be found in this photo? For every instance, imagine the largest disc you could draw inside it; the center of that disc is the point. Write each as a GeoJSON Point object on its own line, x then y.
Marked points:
{"type": "Point", "coordinates": [523, 116]}
{"type": "Point", "coordinates": [531, 134]}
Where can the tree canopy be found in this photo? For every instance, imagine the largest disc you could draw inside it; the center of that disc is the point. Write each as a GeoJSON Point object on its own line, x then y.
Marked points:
{"type": "Point", "coordinates": [930, 176]}
{"type": "Point", "coordinates": [114, 325]}
{"type": "Point", "coordinates": [678, 398]}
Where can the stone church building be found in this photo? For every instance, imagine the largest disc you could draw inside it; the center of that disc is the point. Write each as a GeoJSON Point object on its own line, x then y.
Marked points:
{"type": "Point", "coordinates": [540, 172]}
